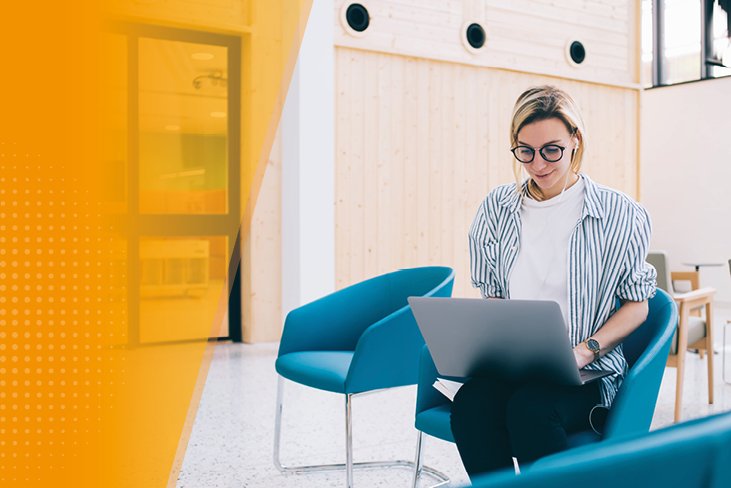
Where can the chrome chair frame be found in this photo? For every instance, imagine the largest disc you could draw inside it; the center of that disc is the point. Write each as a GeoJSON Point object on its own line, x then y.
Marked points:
{"type": "Point", "coordinates": [420, 469]}
{"type": "Point", "coordinates": [349, 465]}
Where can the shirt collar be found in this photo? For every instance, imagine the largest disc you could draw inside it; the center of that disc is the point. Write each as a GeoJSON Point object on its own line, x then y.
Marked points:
{"type": "Point", "coordinates": [592, 203]}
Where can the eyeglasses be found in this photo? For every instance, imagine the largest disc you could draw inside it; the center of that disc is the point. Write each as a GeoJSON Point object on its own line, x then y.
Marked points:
{"type": "Point", "coordinates": [549, 152]}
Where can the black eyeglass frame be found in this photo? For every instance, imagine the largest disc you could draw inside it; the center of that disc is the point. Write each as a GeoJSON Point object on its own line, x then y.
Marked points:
{"type": "Point", "coordinates": [533, 153]}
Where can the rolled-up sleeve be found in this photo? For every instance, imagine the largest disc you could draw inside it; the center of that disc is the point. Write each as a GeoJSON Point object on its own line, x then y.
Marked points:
{"type": "Point", "coordinates": [638, 281]}
{"type": "Point", "coordinates": [481, 235]}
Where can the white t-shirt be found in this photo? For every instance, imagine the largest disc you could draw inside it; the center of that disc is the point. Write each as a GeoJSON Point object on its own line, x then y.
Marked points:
{"type": "Point", "coordinates": [541, 268]}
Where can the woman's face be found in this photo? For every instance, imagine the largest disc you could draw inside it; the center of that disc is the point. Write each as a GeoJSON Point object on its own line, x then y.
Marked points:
{"type": "Point", "coordinates": [549, 176]}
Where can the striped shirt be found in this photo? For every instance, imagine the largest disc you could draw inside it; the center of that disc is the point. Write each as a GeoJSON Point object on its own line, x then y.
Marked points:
{"type": "Point", "coordinates": [607, 251]}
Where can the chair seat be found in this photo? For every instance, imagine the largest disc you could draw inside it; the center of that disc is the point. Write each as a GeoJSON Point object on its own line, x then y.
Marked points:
{"type": "Point", "coordinates": [436, 422]}
{"type": "Point", "coordinates": [696, 332]}
{"type": "Point", "coordinates": [324, 370]}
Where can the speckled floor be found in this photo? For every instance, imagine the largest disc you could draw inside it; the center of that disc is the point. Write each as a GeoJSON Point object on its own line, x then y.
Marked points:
{"type": "Point", "coordinates": [232, 440]}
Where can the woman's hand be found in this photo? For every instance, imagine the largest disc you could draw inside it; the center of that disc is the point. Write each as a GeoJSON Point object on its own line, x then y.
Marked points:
{"type": "Point", "coordinates": [583, 355]}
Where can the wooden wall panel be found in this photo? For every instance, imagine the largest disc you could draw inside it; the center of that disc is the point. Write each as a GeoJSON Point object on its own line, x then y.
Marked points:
{"type": "Point", "coordinates": [420, 143]}
{"type": "Point", "coordinates": [261, 258]}
{"type": "Point", "coordinates": [523, 35]}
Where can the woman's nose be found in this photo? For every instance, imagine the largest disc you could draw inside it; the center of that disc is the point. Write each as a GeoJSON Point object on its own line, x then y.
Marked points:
{"type": "Point", "coordinates": [538, 162]}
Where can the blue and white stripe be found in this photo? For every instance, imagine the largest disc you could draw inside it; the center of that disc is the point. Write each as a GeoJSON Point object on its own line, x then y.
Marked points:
{"type": "Point", "coordinates": [607, 254]}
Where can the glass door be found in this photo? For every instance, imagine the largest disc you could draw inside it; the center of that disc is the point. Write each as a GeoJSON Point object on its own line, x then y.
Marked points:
{"type": "Point", "coordinates": [181, 163]}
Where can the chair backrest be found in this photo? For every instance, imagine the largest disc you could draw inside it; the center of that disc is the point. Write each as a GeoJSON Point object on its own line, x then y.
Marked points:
{"type": "Point", "coordinates": [646, 351]}
{"type": "Point", "coordinates": [336, 322]}
{"type": "Point", "coordinates": [660, 261]}
{"type": "Point", "coordinates": [694, 454]}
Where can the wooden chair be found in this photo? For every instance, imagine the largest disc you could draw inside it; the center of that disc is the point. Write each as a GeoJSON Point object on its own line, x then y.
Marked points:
{"type": "Point", "coordinates": [693, 331]}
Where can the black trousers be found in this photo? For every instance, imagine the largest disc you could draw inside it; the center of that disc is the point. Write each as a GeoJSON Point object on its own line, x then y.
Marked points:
{"type": "Point", "coordinates": [494, 420]}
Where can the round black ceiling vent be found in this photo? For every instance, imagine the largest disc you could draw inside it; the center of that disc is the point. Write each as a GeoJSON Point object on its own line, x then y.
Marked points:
{"type": "Point", "coordinates": [357, 17]}
{"type": "Point", "coordinates": [476, 36]}
{"type": "Point", "coordinates": [577, 52]}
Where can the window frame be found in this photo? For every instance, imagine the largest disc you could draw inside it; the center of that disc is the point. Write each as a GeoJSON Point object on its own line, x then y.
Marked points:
{"type": "Point", "coordinates": [659, 62]}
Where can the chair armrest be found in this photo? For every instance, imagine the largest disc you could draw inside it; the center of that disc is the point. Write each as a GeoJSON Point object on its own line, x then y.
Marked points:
{"type": "Point", "coordinates": [705, 292]}
{"type": "Point", "coordinates": [387, 354]}
{"type": "Point", "coordinates": [633, 408]}
{"type": "Point", "coordinates": [695, 298]}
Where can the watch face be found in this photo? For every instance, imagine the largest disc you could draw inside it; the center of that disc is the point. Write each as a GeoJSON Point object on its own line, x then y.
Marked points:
{"type": "Point", "coordinates": [592, 344]}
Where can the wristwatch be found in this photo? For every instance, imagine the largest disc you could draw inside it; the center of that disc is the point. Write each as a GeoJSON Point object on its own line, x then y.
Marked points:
{"type": "Point", "coordinates": [593, 346]}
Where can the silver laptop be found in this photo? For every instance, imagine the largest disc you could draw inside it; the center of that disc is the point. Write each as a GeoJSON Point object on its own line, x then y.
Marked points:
{"type": "Point", "coordinates": [517, 340]}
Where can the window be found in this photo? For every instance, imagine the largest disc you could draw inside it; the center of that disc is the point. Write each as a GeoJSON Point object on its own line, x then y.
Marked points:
{"type": "Point", "coordinates": [685, 40]}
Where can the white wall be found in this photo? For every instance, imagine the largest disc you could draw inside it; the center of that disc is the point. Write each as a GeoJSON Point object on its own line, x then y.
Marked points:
{"type": "Point", "coordinates": [686, 176]}
{"type": "Point", "coordinates": [308, 167]}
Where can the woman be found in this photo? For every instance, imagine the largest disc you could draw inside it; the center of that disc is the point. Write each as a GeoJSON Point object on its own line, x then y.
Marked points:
{"type": "Point", "coordinates": [555, 236]}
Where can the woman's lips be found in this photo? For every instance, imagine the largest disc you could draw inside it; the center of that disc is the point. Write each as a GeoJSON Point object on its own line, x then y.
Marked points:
{"type": "Point", "coordinates": [543, 177]}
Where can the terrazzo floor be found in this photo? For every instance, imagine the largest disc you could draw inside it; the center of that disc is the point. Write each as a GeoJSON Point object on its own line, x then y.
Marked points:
{"type": "Point", "coordinates": [231, 444]}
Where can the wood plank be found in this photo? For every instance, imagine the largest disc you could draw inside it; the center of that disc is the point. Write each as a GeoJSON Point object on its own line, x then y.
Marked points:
{"type": "Point", "coordinates": [383, 11]}
{"type": "Point", "coordinates": [447, 165]}
{"type": "Point", "coordinates": [424, 196]}
{"type": "Point", "coordinates": [397, 230]}
{"type": "Point", "coordinates": [557, 38]}
{"type": "Point", "coordinates": [462, 157]}
{"type": "Point", "coordinates": [599, 9]}
{"type": "Point", "coordinates": [410, 161]}
{"type": "Point", "coordinates": [357, 165]}
{"type": "Point", "coordinates": [386, 178]}
{"type": "Point", "coordinates": [369, 205]}
{"type": "Point", "coordinates": [515, 20]}
{"type": "Point", "coordinates": [536, 14]}
{"type": "Point", "coordinates": [436, 127]}
{"type": "Point", "coordinates": [443, 6]}
{"type": "Point", "coordinates": [261, 258]}
{"type": "Point", "coordinates": [343, 176]}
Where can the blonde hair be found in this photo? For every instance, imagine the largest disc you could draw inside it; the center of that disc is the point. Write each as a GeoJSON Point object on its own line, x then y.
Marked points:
{"type": "Point", "coordinates": [540, 103]}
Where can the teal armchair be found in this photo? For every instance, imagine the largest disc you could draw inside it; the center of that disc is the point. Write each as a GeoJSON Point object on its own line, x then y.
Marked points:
{"type": "Point", "coordinates": [359, 339]}
{"type": "Point", "coordinates": [646, 351]}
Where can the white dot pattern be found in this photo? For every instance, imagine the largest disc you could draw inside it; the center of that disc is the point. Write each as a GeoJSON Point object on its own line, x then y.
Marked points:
{"type": "Point", "coordinates": [57, 334]}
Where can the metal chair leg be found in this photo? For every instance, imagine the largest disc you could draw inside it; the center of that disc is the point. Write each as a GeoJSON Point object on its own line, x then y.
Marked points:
{"type": "Point", "coordinates": [277, 442]}
{"type": "Point", "coordinates": [348, 442]}
{"type": "Point", "coordinates": [418, 462]}
{"type": "Point", "coordinates": [278, 425]}
{"type": "Point", "coordinates": [420, 469]}
{"type": "Point", "coordinates": [349, 465]}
